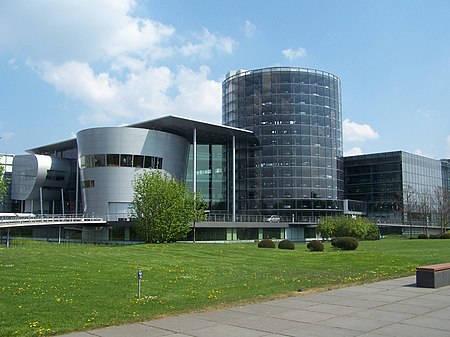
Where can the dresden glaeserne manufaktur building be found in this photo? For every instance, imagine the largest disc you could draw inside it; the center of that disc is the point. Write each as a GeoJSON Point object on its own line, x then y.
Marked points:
{"type": "Point", "coordinates": [271, 170]}
{"type": "Point", "coordinates": [295, 168]}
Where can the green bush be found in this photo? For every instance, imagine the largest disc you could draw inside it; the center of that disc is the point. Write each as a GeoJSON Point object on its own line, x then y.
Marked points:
{"type": "Point", "coordinates": [422, 236]}
{"type": "Point", "coordinates": [286, 244]}
{"type": "Point", "coordinates": [266, 243]}
{"type": "Point", "coordinates": [345, 243]}
{"type": "Point", "coordinates": [343, 226]}
{"type": "Point", "coordinates": [315, 246]}
{"type": "Point", "coordinates": [445, 235]}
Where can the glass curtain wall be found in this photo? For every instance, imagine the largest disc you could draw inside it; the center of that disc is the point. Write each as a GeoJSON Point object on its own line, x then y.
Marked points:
{"type": "Point", "coordinates": [296, 170]}
{"type": "Point", "coordinates": [211, 175]}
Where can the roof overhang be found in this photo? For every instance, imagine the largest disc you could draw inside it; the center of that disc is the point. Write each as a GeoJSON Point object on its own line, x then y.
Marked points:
{"type": "Point", "coordinates": [206, 133]}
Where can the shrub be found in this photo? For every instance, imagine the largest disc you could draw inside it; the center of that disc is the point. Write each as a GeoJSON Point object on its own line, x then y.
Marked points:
{"type": "Point", "coordinates": [315, 246]}
{"type": "Point", "coordinates": [422, 236]}
{"type": "Point", "coordinates": [266, 243]}
{"type": "Point", "coordinates": [345, 243]}
{"type": "Point", "coordinates": [445, 235]}
{"type": "Point", "coordinates": [286, 244]}
{"type": "Point", "coordinates": [343, 226]}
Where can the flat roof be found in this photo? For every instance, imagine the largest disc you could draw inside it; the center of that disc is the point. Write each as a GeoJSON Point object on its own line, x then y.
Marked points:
{"type": "Point", "coordinates": [207, 133]}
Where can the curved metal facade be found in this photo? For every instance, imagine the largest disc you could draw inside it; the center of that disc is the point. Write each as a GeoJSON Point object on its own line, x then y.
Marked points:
{"type": "Point", "coordinates": [33, 172]}
{"type": "Point", "coordinates": [110, 157]}
{"type": "Point", "coordinates": [297, 168]}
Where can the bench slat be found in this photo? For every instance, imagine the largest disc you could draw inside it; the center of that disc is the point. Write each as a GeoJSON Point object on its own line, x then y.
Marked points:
{"type": "Point", "coordinates": [435, 267]}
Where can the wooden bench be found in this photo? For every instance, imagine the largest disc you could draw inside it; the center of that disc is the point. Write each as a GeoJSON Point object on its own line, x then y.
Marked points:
{"type": "Point", "coordinates": [433, 276]}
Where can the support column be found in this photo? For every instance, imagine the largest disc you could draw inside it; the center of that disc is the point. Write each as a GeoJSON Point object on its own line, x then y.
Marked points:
{"type": "Point", "coordinates": [62, 201]}
{"type": "Point", "coordinates": [7, 237]}
{"type": "Point", "coordinates": [76, 189]}
{"type": "Point", "coordinates": [41, 202]}
{"type": "Point", "coordinates": [194, 177]}
{"type": "Point", "coordinates": [233, 177]}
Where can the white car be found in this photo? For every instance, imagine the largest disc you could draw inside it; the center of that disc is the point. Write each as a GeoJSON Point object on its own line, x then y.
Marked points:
{"type": "Point", "coordinates": [272, 218]}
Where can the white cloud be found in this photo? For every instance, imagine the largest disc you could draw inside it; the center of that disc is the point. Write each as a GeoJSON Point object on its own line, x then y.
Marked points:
{"type": "Point", "coordinates": [292, 54]}
{"type": "Point", "coordinates": [208, 43]}
{"type": "Point", "coordinates": [358, 132]}
{"type": "Point", "coordinates": [354, 151]}
{"type": "Point", "coordinates": [149, 93]}
{"type": "Point", "coordinates": [83, 30]}
{"type": "Point", "coordinates": [418, 152]}
{"type": "Point", "coordinates": [99, 53]}
{"type": "Point", "coordinates": [249, 29]}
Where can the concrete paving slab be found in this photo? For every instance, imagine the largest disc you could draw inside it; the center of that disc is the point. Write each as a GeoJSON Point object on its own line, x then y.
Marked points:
{"type": "Point", "coordinates": [260, 309]}
{"type": "Point", "coordinates": [300, 302]}
{"type": "Point", "coordinates": [424, 302]}
{"type": "Point", "coordinates": [226, 317]}
{"type": "Point", "coordinates": [355, 323]}
{"type": "Point", "coordinates": [406, 330]}
{"type": "Point", "coordinates": [180, 324]}
{"type": "Point", "coordinates": [305, 316]}
{"type": "Point", "coordinates": [405, 308]}
{"type": "Point", "coordinates": [272, 325]}
{"type": "Point", "coordinates": [333, 309]}
{"type": "Point", "coordinates": [313, 330]}
{"type": "Point", "coordinates": [382, 315]}
{"type": "Point", "coordinates": [429, 322]}
{"type": "Point", "coordinates": [135, 330]}
{"type": "Point", "coordinates": [223, 330]}
{"type": "Point", "coordinates": [442, 313]}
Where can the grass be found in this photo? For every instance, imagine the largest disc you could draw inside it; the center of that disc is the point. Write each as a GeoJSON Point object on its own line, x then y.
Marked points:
{"type": "Point", "coordinates": [48, 289]}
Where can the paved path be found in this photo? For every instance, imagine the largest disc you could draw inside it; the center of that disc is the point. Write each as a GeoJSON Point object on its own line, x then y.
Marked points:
{"type": "Point", "coordinates": [390, 308]}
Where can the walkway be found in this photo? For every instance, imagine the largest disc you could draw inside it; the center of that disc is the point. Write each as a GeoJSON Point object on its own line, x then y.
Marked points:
{"type": "Point", "coordinates": [390, 308]}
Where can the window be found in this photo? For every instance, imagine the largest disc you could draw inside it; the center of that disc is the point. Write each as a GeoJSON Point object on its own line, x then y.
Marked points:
{"type": "Point", "coordinates": [149, 162]}
{"type": "Point", "coordinates": [138, 161]}
{"type": "Point", "coordinates": [99, 160]}
{"type": "Point", "coordinates": [112, 159]}
{"type": "Point", "coordinates": [126, 160]}
{"type": "Point", "coordinates": [88, 183]}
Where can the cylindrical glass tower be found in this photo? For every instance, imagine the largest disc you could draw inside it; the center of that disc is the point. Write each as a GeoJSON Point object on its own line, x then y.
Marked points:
{"type": "Point", "coordinates": [296, 169]}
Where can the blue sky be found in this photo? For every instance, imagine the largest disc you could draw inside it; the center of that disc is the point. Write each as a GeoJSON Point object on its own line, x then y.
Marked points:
{"type": "Point", "coordinates": [71, 65]}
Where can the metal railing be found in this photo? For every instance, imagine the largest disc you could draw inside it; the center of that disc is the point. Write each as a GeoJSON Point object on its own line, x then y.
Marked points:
{"type": "Point", "coordinates": [261, 218]}
{"type": "Point", "coordinates": [29, 218]}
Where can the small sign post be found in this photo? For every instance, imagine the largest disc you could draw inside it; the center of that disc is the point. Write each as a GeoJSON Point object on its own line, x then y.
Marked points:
{"type": "Point", "coordinates": [139, 275]}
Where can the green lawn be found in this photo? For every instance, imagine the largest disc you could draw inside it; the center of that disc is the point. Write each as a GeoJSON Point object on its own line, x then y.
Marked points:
{"type": "Point", "coordinates": [50, 289]}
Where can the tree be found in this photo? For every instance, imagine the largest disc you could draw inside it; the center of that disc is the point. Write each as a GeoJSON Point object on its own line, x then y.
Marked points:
{"type": "Point", "coordinates": [163, 208]}
{"type": "Point", "coordinates": [3, 183]}
{"type": "Point", "coordinates": [408, 205]}
{"type": "Point", "coordinates": [424, 208]}
{"type": "Point", "coordinates": [442, 207]}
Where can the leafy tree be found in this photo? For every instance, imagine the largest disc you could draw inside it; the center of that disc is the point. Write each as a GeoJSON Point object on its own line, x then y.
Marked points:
{"type": "Point", "coordinates": [342, 226]}
{"type": "Point", "coordinates": [3, 183]}
{"type": "Point", "coordinates": [163, 208]}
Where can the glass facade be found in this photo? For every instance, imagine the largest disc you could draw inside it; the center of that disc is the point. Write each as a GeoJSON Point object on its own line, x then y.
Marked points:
{"type": "Point", "coordinates": [295, 167]}
{"type": "Point", "coordinates": [211, 175]}
{"type": "Point", "coordinates": [383, 179]}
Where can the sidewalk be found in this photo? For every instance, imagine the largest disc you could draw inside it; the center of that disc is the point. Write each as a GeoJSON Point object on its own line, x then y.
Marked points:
{"type": "Point", "coordinates": [390, 308]}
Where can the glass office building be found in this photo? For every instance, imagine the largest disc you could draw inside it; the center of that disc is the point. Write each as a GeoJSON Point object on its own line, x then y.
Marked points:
{"type": "Point", "coordinates": [387, 180]}
{"type": "Point", "coordinates": [294, 168]}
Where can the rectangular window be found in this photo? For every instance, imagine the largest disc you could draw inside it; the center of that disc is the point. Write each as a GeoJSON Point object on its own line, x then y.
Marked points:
{"type": "Point", "coordinates": [89, 161]}
{"type": "Point", "coordinates": [159, 163]}
{"type": "Point", "coordinates": [112, 159]}
{"type": "Point", "coordinates": [99, 160]}
{"type": "Point", "coordinates": [149, 162]}
{"type": "Point", "coordinates": [88, 183]}
{"type": "Point", "coordinates": [138, 161]}
{"type": "Point", "coordinates": [126, 160]}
